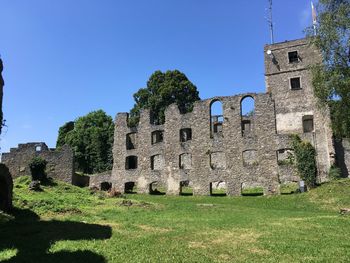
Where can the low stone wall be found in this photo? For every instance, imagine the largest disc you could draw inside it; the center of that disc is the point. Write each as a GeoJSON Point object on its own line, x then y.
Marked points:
{"type": "Point", "coordinates": [60, 163]}
{"type": "Point", "coordinates": [102, 181]}
{"type": "Point", "coordinates": [6, 187]}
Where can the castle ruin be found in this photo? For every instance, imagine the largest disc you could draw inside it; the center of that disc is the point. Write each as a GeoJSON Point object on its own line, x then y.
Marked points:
{"type": "Point", "coordinates": [202, 149]}
{"type": "Point", "coordinates": [60, 162]}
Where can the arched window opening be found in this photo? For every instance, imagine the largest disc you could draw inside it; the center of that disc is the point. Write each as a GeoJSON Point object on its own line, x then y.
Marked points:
{"type": "Point", "coordinates": [247, 115]}
{"type": "Point", "coordinates": [157, 188]}
{"type": "Point", "coordinates": [186, 188]}
{"type": "Point", "coordinates": [130, 188]}
{"type": "Point", "coordinates": [218, 188]}
{"type": "Point", "coordinates": [105, 186]}
{"type": "Point", "coordinates": [216, 118]}
{"type": "Point", "coordinates": [38, 148]}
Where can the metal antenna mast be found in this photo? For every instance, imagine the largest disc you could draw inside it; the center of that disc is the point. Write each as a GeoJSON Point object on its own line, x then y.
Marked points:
{"type": "Point", "coordinates": [270, 22]}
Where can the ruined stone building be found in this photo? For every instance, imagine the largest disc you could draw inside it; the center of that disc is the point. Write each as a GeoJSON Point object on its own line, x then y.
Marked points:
{"type": "Point", "coordinates": [60, 163]}
{"type": "Point", "coordinates": [201, 148]}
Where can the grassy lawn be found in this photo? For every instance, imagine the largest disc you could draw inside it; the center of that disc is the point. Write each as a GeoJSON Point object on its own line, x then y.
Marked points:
{"type": "Point", "coordinates": [64, 223]}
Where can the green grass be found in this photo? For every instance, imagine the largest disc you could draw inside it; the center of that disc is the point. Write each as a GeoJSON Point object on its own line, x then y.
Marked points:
{"type": "Point", "coordinates": [289, 188]}
{"type": "Point", "coordinates": [252, 191]}
{"type": "Point", "coordinates": [64, 223]}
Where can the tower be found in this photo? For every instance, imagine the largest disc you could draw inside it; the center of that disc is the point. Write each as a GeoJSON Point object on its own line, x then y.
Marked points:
{"type": "Point", "coordinates": [288, 80]}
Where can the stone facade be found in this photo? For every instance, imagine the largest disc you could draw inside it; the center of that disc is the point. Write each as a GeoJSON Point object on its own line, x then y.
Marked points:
{"type": "Point", "coordinates": [235, 150]}
{"type": "Point", "coordinates": [60, 163]}
{"type": "Point", "coordinates": [101, 181]}
{"type": "Point", "coordinates": [296, 107]}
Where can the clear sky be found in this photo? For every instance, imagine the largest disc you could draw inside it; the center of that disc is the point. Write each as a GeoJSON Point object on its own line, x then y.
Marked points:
{"type": "Point", "coordinates": [65, 58]}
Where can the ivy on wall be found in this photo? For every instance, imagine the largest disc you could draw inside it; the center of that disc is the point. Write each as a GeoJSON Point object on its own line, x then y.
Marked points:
{"type": "Point", "coordinates": [305, 160]}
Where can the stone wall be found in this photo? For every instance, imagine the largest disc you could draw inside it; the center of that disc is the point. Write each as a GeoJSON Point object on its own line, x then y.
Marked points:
{"type": "Point", "coordinates": [231, 149]}
{"type": "Point", "coordinates": [60, 163]}
{"type": "Point", "coordinates": [296, 109]}
{"type": "Point", "coordinates": [6, 187]}
{"type": "Point", "coordinates": [229, 156]}
{"type": "Point", "coordinates": [102, 181]}
{"type": "Point", "coordinates": [343, 155]}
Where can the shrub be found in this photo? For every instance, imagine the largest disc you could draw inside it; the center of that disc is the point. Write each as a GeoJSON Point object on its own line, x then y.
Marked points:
{"type": "Point", "coordinates": [305, 157]}
{"type": "Point", "coordinates": [334, 172]}
{"type": "Point", "coordinates": [37, 168]}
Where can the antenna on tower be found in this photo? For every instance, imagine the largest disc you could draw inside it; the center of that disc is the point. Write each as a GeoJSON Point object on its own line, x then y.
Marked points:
{"type": "Point", "coordinates": [270, 22]}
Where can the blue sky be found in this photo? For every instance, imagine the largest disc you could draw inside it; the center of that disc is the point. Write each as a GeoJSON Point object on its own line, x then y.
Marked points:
{"type": "Point", "coordinates": [65, 58]}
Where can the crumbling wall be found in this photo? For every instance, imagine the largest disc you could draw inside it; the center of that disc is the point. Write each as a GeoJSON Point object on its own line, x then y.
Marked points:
{"type": "Point", "coordinates": [235, 149]}
{"type": "Point", "coordinates": [203, 158]}
{"type": "Point", "coordinates": [97, 180]}
{"type": "Point", "coordinates": [60, 163]}
{"type": "Point", "coordinates": [6, 187]}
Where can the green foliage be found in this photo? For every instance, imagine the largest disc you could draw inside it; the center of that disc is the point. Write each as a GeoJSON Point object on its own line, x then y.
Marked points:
{"type": "Point", "coordinates": [162, 90]}
{"type": "Point", "coordinates": [334, 172]}
{"type": "Point", "coordinates": [62, 133]}
{"type": "Point", "coordinates": [37, 168]}
{"type": "Point", "coordinates": [331, 80]}
{"type": "Point", "coordinates": [91, 140]}
{"type": "Point", "coordinates": [305, 157]}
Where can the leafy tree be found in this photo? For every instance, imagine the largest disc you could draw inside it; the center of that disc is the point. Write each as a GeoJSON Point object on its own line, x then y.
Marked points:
{"type": "Point", "coordinates": [331, 80]}
{"type": "Point", "coordinates": [62, 133]}
{"type": "Point", "coordinates": [91, 139]}
{"type": "Point", "coordinates": [162, 90]}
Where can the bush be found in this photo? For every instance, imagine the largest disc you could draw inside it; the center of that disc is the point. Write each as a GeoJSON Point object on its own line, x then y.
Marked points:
{"type": "Point", "coordinates": [305, 157]}
{"type": "Point", "coordinates": [334, 172]}
{"type": "Point", "coordinates": [37, 168]}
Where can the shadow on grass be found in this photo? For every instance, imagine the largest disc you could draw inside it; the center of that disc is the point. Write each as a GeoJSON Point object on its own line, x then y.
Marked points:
{"type": "Point", "coordinates": [186, 194]}
{"type": "Point", "coordinates": [218, 194]}
{"type": "Point", "coordinates": [33, 238]}
{"type": "Point", "coordinates": [252, 194]}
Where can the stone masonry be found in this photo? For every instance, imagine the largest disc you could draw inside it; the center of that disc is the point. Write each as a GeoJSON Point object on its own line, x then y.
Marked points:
{"type": "Point", "coordinates": [201, 149]}
{"type": "Point", "coordinates": [60, 163]}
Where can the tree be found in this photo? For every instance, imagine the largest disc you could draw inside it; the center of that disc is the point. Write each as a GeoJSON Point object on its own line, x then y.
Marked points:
{"type": "Point", "coordinates": [91, 138]}
{"type": "Point", "coordinates": [331, 80]}
{"type": "Point", "coordinates": [162, 90]}
{"type": "Point", "coordinates": [62, 133]}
